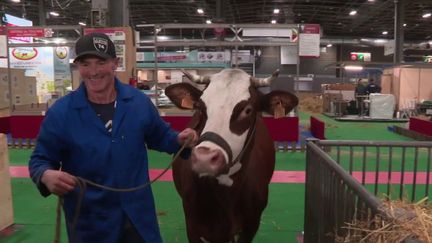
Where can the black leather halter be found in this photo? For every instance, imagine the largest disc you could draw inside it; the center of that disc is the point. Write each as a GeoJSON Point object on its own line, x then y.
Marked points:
{"type": "Point", "coordinates": [249, 138]}
{"type": "Point", "coordinates": [217, 139]}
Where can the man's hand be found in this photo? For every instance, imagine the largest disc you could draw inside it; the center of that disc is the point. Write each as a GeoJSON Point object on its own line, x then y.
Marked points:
{"type": "Point", "coordinates": [58, 182]}
{"type": "Point", "coordinates": [184, 135]}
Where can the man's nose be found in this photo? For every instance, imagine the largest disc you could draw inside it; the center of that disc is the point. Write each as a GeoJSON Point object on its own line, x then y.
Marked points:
{"type": "Point", "coordinates": [93, 70]}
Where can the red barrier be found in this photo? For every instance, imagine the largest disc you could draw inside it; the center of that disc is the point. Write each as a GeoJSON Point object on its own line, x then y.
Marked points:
{"type": "Point", "coordinates": [420, 126]}
{"type": "Point", "coordinates": [178, 123]}
{"type": "Point", "coordinates": [284, 129]}
{"type": "Point", "coordinates": [5, 124]}
{"type": "Point", "coordinates": [25, 126]}
{"type": "Point", "coordinates": [317, 128]}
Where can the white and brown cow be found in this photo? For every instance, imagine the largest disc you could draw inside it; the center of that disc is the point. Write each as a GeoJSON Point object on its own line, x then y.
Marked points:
{"type": "Point", "coordinates": [224, 184]}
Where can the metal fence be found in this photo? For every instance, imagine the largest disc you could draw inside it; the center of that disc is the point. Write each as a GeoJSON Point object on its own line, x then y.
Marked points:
{"type": "Point", "coordinates": [345, 178]}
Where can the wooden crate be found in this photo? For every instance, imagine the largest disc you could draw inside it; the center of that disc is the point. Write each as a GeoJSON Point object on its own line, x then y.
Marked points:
{"type": "Point", "coordinates": [6, 209]}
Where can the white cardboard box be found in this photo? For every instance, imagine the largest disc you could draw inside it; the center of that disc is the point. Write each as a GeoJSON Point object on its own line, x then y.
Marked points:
{"type": "Point", "coordinates": [381, 106]}
{"type": "Point", "coordinates": [6, 209]}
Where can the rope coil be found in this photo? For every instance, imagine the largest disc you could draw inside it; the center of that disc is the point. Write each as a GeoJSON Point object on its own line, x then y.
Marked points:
{"type": "Point", "coordinates": [82, 185]}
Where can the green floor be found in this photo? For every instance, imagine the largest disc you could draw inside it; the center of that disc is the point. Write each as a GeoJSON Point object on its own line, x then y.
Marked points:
{"type": "Point", "coordinates": [282, 220]}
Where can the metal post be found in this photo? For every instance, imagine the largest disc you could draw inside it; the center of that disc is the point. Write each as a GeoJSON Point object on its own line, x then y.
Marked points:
{"type": "Point", "coordinates": [236, 57]}
{"type": "Point", "coordinates": [118, 13]}
{"type": "Point", "coordinates": [156, 66]}
{"type": "Point", "coordinates": [9, 73]}
{"type": "Point", "coordinates": [296, 83]}
{"type": "Point", "coordinates": [398, 31]}
{"type": "Point", "coordinates": [42, 13]}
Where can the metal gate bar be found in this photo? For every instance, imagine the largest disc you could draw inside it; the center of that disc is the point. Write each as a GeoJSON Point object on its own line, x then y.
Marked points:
{"type": "Point", "coordinates": [334, 197]}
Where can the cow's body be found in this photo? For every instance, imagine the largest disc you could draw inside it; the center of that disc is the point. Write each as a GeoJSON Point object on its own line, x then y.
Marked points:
{"type": "Point", "coordinates": [224, 190]}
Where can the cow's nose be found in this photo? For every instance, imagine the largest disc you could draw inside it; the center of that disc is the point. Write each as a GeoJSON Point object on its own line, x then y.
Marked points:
{"type": "Point", "coordinates": [206, 160]}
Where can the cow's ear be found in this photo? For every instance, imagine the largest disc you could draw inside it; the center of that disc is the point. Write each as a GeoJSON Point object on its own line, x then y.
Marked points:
{"type": "Point", "coordinates": [278, 103]}
{"type": "Point", "coordinates": [183, 95]}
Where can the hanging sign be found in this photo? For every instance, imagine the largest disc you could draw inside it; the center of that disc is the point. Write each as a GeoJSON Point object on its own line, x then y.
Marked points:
{"type": "Point", "coordinates": [360, 56]}
{"type": "Point", "coordinates": [309, 45]}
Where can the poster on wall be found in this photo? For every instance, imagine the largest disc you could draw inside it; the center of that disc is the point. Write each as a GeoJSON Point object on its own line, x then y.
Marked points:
{"type": "Point", "coordinates": [62, 74]}
{"type": "Point", "coordinates": [38, 63]}
{"type": "Point", "coordinates": [3, 42]}
{"type": "Point", "coordinates": [214, 56]}
{"type": "Point", "coordinates": [11, 21]}
{"type": "Point", "coordinates": [241, 57]}
{"type": "Point", "coordinates": [171, 57]}
{"type": "Point", "coordinates": [118, 37]}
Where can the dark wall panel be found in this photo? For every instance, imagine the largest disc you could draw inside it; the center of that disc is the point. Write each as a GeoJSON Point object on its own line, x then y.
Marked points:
{"type": "Point", "coordinates": [269, 61]}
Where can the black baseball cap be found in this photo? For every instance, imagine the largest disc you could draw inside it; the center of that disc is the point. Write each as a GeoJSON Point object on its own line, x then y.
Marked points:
{"type": "Point", "coordinates": [95, 44]}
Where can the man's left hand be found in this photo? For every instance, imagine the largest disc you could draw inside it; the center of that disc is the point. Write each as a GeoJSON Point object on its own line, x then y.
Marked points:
{"type": "Point", "coordinates": [184, 135]}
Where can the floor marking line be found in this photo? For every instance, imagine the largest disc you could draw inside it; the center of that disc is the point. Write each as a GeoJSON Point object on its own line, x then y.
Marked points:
{"type": "Point", "coordinates": [280, 176]}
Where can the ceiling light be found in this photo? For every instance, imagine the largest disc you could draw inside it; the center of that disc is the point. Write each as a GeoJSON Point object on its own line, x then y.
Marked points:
{"type": "Point", "coordinates": [427, 15]}
{"type": "Point", "coordinates": [54, 13]}
{"type": "Point", "coordinates": [200, 11]}
{"type": "Point", "coordinates": [273, 21]}
{"type": "Point", "coordinates": [208, 21]}
{"type": "Point", "coordinates": [82, 23]}
{"type": "Point", "coordinates": [371, 0]}
{"type": "Point", "coordinates": [385, 32]}
{"type": "Point", "coordinates": [404, 25]}
{"type": "Point", "coordinates": [380, 41]}
{"type": "Point", "coordinates": [59, 40]}
{"type": "Point", "coordinates": [353, 12]}
{"type": "Point", "coordinates": [163, 37]}
{"type": "Point", "coordinates": [16, 1]}
{"type": "Point", "coordinates": [353, 68]}
{"type": "Point", "coordinates": [276, 11]}
{"type": "Point", "coordinates": [329, 45]}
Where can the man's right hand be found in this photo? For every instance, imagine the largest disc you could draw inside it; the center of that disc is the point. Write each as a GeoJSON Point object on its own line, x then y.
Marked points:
{"type": "Point", "coordinates": [58, 182]}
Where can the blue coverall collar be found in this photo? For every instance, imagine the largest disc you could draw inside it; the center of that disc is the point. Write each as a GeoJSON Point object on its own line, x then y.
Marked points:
{"type": "Point", "coordinates": [80, 95]}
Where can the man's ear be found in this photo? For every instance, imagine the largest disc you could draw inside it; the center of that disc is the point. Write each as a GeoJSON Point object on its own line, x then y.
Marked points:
{"type": "Point", "coordinates": [183, 95]}
{"type": "Point", "coordinates": [116, 63]}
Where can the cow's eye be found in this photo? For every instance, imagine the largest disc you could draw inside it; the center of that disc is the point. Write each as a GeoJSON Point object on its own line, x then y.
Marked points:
{"type": "Point", "coordinates": [247, 111]}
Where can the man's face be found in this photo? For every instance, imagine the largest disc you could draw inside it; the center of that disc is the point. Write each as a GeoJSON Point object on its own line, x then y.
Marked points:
{"type": "Point", "coordinates": [97, 73]}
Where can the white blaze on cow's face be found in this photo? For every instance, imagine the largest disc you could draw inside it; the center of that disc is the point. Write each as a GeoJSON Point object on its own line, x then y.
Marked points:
{"type": "Point", "coordinates": [224, 92]}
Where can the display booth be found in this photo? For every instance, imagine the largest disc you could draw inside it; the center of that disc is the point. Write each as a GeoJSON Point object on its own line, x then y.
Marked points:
{"type": "Point", "coordinates": [410, 85]}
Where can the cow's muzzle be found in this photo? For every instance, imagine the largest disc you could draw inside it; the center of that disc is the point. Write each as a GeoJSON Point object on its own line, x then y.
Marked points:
{"type": "Point", "coordinates": [218, 140]}
{"type": "Point", "coordinates": [207, 161]}
{"type": "Point", "coordinates": [210, 161]}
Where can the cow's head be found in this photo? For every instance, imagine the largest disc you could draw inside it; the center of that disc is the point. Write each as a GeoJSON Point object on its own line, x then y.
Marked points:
{"type": "Point", "coordinates": [226, 111]}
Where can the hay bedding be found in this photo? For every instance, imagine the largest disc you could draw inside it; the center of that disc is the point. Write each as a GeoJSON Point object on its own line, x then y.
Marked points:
{"type": "Point", "coordinates": [409, 222]}
{"type": "Point", "coordinates": [310, 102]}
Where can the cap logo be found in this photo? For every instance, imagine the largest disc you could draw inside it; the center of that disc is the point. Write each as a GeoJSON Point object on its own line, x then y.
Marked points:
{"type": "Point", "coordinates": [100, 44]}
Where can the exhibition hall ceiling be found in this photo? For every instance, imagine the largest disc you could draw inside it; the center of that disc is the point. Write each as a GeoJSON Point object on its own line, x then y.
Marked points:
{"type": "Point", "coordinates": [373, 18]}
